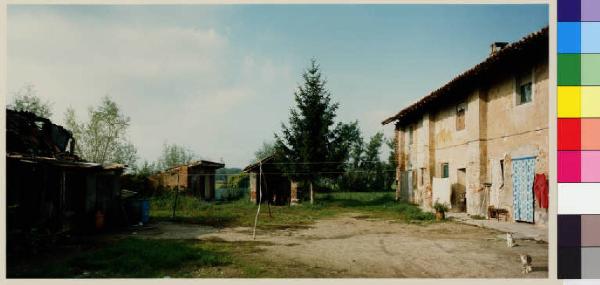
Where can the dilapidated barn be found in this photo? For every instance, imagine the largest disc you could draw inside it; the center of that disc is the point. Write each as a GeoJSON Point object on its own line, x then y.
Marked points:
{"type": "Point", "coordinates": [482, 139]}
{"type": "Point", "coordinates": [195, 178]}
{"type": "Point", "coordinates": [48, 187]}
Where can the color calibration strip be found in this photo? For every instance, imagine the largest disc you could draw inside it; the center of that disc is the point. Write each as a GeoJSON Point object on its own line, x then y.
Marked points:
{"type": "Point", "coordinates": [578, 66]}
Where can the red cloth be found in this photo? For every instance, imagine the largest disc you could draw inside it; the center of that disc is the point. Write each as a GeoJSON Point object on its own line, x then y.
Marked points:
{"type": "Point", "coordinates": [540, 188]}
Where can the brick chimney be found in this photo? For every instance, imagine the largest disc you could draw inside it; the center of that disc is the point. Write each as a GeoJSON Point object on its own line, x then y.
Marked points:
{"type": "Point", "coordinates": [496, 46]}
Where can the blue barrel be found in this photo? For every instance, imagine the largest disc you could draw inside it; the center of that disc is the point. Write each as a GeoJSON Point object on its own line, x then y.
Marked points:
{"type": "Point", "coordinates": [145, 210]}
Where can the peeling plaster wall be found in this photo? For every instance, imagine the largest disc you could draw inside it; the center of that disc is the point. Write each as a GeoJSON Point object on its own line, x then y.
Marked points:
{"type": "Point", "coordinates": [519, 130]}
{"type": "Point", "coordinates": [495, 128]}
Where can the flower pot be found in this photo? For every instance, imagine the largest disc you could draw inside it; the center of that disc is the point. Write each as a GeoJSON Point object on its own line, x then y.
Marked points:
{"type": "Point", "coordinates": [440, 215]}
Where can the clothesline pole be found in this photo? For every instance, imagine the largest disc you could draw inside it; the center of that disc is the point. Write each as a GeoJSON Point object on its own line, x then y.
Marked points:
{"type": "Point", "coordinates": [259, 200]}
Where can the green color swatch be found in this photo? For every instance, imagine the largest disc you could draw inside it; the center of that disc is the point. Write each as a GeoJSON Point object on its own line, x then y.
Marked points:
{"type": "Point", "coordinates": [590, 69]}
{"type": "Point", "coordinates": [569, 69]}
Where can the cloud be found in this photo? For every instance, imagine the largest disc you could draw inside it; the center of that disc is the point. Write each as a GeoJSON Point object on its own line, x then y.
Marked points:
{"type": "Point", "coordinates": [181, 84]}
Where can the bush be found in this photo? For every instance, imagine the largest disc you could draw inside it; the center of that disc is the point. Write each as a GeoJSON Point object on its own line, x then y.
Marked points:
{"type": "Point", "coordinates": [232, 194]}
{"type": "Point", "coordinates": [241, 180]}
{"type": "Point", "coordinates": [439, 207]}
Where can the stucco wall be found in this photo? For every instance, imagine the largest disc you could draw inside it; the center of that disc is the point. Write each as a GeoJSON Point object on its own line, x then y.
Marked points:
{"type": "Point", "coordinates": [495, 128]}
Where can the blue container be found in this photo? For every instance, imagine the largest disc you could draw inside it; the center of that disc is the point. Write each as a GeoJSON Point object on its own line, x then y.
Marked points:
{"type": "Point", "coordinates": [145, 210]}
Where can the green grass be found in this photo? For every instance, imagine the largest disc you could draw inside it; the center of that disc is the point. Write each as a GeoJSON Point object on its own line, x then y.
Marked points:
{"type": "Point", "coordinates": [376, 205]}
{"type": "Point", "coordinates": [478, 217]}
{"type": "Point", "coordinates": [242, 212]}
{"type": "Point", "coordinates": [235, 213]}
{"type": "Point", "coordinates": [132, 258]}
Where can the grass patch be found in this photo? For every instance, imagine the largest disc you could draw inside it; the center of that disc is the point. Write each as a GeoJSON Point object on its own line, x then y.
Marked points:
{"type": "Point", "coordinates": [133, 258]}
{"type": "Point", "coordinates": [477, 217]}
{"type": "Point", "coordinates": [234, 213]}
{"type": "Point", "coordinates": [376, 205]}
{"type": "Point", "coordinates": [140, 258]}
{"type": "Point", "coordinates": [242, 212]}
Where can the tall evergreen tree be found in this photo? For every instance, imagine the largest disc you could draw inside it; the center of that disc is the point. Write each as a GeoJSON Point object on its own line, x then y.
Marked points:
{"type": "Point", "coordinates": [313, 145]}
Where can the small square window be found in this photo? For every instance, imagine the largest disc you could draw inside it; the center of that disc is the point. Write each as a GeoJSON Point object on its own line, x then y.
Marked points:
{"type": "Point", "coordinates": [460, 117]}
{"type": "Point", "coordinates": [524, 89]}
{"type": "Point", "coordinates": [445, 170]}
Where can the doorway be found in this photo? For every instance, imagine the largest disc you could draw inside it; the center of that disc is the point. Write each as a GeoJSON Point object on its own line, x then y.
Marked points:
{"type": "Point", "coordinates": [459, 191]}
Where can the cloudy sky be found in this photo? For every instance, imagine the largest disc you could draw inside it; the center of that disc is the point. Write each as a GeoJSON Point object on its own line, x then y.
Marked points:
{"type": "Point", "coordinates": [220, 79]}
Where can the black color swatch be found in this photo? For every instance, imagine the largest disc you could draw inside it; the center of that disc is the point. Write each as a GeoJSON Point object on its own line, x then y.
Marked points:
{"type": "Point", "coordinates": [569, 230]}
{"type": "Point", "coordinates": [569, 263]}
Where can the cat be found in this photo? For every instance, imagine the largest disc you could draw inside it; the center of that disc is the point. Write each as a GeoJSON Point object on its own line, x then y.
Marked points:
{"type": "Point", "coordinates": [526, 263]}
{"type": "Point", "coordinates": [510, 242]}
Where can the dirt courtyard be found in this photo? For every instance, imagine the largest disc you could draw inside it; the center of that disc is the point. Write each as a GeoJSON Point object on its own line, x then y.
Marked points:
{"type": "Point", "coordinates": [352, 245]}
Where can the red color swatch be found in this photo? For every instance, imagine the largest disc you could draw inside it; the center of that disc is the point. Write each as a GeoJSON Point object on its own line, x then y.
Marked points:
{"type": "Point", "coordinates": [569, 134]}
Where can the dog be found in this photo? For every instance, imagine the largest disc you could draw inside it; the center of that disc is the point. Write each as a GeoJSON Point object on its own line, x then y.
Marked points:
{"type": "Point", "coordinates": [526, 263]}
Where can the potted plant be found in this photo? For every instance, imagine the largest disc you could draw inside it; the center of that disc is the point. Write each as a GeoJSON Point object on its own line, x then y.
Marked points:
{"type": "Point", "coordinates": [440, 211]}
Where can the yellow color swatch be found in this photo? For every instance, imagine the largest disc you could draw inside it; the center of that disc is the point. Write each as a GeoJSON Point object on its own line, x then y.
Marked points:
{"type": "Point", "coordinates": [569, 101]}
{"type": "Point", "coordinates": [590, 101]}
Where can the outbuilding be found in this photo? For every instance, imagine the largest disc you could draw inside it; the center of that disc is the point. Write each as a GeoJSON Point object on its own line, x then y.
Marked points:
{"type": "Point", "coordinates": [195, 178]}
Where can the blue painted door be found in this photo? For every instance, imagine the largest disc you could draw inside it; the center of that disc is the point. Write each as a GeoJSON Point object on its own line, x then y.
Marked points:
{"type": "Point", "coordinates": [523, 172]}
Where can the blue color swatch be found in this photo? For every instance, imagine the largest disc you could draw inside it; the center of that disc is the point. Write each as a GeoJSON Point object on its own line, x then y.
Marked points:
{"type": "Point", "coordinates": [569, 37]}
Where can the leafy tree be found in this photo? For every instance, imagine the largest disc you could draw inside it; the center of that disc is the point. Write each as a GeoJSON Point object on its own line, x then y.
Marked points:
{"type": "Point", "coordinates": [26, 99]}
{"type": "Point", "coordinates": [267, 149]}
{"type": "Point", "coordinates": [373, 149]}
{"type": "Point", "coordinates": [312, 137]}
{"type": "Point", "coordinates": [366, 171]}
{"type": "Point", "coordinates": [373, 166]}
{"type": "Point", "coordinates": [146, 169]}
{"type": "Point", "coordinates": [392, 163]}
{"type": "Point", "coordinates": [241, 180]}
{"type": "Point", "coordinates": [173, 155]}
{"type": "Point", "coordinates": [103, 138]}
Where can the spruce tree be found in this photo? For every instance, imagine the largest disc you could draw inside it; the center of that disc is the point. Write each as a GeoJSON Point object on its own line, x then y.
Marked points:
{"type": "Point", "coordinates": [312, 145]}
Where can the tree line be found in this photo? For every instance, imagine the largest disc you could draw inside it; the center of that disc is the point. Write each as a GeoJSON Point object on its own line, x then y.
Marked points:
{"type": "Point", "coordinates": [311, 148]}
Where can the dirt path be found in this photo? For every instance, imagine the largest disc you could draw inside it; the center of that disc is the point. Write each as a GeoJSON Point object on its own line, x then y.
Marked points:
{"type": "Point", "coordinates": [354, 246]}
